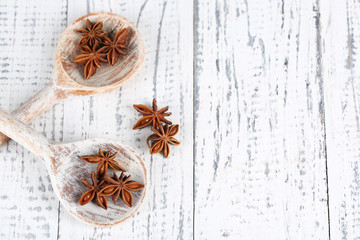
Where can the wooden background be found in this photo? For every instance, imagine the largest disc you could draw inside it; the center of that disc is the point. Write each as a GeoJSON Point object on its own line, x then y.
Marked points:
{"type": "Point", "coordinates": [267, 97]}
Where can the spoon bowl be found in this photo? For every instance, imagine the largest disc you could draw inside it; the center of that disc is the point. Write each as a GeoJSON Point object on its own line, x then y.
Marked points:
{"type": "Point", "coordinates": [108, 77]}
{"type": "Point", "coordinates": [65, 169]}
{"type": "Point", "coordinates": [68, 79]}
{"type": "Point", "coordinates": [70, 169]}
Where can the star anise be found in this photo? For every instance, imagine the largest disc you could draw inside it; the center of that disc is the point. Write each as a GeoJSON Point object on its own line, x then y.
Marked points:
{"type": "Point", "coordinates": [93, 192]}
{"type": "Point", "coordinates": [91, 58]}
{"type": "Point", "coordinates": [116, 47]}
{"type": "Point", "coordinates": [121, 187]}
{"type": "Point", "coordinates": [162, 137]}
{"type": "Point", "coordinates": [104, 159]}
{"type": "Point", "coordinates": [151, 116]}
{"type": "Point", "coordinates": [91, 34]}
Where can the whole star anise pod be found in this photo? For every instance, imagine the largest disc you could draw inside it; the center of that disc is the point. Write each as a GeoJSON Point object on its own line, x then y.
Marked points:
{"type": "Point", "coordinates": [151, 116]}
{"type": "Point", "coordinates": [162, 137]}
{"type": "Point", "coordinates": [104, 159]}
{"type": "Point", "coordinates": [116, 47]}
{"type": "Point", "coordinates": [91, 57]}
{"type": "Point", "coordinates": [121, 187]}
{"type": "Point", "coordinates": [93, 192]}
{"type": "Point", "coordinates": [91, 34]}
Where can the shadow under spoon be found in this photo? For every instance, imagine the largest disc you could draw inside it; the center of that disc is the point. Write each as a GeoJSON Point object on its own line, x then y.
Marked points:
{"type": "Point", "coordinates": [65, 169]}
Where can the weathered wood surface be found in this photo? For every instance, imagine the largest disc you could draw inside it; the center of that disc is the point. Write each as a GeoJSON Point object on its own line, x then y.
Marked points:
{"type": "Point", "coordinates": [67, 78]}
{"type": "Point", "coordinates": [340, 44]}
{"type": "Point", "coordinates": [169, 203]}
{"type": "Point", "coordinates": [260, 152]}
{"type": "Point", "coordinates": [266, 95]}
{"type": "Point", "coordinates": [66, 169]}
{"type": "Point", "coordinates": [29, 35]}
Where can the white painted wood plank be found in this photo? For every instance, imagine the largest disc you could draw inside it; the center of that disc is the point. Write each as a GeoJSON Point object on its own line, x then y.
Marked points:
{"type": "Point", "coordinates": [29, 33]}
{"type": "Point", "coordinates": [340, 31]}
{"type": "Point", "coordinates": [267, 61]}
{"type": "Point", "coordinates": [260, 163]}
{"type": "Point", "coordinates": [166, 27]}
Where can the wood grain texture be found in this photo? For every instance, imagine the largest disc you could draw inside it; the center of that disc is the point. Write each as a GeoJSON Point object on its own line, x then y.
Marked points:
{"type": "Point", "coordinates": [67, 78]}
{"type": "Point", "coordinates": [29, 33]}
{"type": "Point", "coordinates": [166, 27]}
{"type": "Point", "coordinates": [260, 160]}
{"type": "Point", "coordinates": [340, 31]}
{"type": "Point", "coordinates": [269, 118]}
{"type": "Point", "coordinates": [66, 169]}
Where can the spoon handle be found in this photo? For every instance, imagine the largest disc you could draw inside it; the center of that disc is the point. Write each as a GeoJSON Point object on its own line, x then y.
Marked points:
{"type": "Point", "coordinates": [25, 135]}
{"type": "Point", "coordinates": [35, 106]}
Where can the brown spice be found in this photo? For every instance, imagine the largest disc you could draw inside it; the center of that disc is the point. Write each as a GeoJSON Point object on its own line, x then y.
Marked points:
{"type": "Point", "coordinates": [117, 46]}
{"type": "Point", "coordinates": [104, 159]}
{"type": "Point", "coordinates": [96, 47]}
{"type": "Point", "coordinates": [91, 34]}
{"type": "Point", "coordinates": [151, 116]}
{"type": "Point", "coordinates": [162, 137]}
{"type": "Point", "coordinates": [91, 58]}
{"type": "Point", "coordinates": [121, 187]}
{"type": "Point", "coordinates": [93, 192]}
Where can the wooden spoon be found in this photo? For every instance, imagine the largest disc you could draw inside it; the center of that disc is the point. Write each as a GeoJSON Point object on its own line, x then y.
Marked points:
{"type": "Point", "coordinates": [68, 78]}
{"type": "Point", "coordinates": [66, 169]}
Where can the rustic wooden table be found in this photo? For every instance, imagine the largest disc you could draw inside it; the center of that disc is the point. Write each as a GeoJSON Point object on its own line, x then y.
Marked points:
{"type": "Point", "coordinates": [266, 95]}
